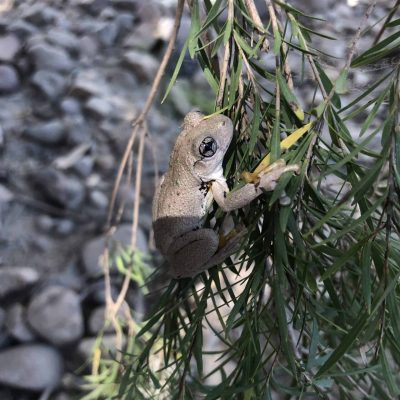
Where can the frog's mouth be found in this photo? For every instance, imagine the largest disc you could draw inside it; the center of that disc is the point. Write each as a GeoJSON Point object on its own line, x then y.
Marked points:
{"type": "Point", "coordinates": [207, 171]}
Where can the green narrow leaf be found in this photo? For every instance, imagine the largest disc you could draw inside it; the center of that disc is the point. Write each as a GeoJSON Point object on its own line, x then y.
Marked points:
{"type": "Point", "coordinates": [235, 80]}
{"type": "Point", "coordinates": [240, 303]}
{"type": "Point", "coordinates": [212, 16]}
{"type": "Point", "coordinates": [366, 264]}
{"type": "Point", "coordinates": [365, 94]}
{"type": "Point", "coordinates": [379, 51]}
{"type": "Point", "coordinates": [374, 111]}
{"type": "Point", "coordinates": [328, 86]}
{"type": "Point", "coordinates": [289, 96]}
{"type": "Point", "coordinates": [396, 163]}
{"type": "Point", "coordinates": [228, 30]}
{"type": "Point", "coordinates": [198, 349]}
{"type": "Point", "coordinates": [344, 345]}
{"type": "Point", "coordinates": [176, 70]}
{"type": "Point", "coordinates": [312, 355]}
{"type": "Point", "coordinates": [388, 375]}
{"type": "Point", "coordinates": [194, 29]}
{"type": "Point", "coordinates": [277, 40]}
{"type": "Point", "coordinates": [245, 46]}
{"type": "Point", "coordinates": [276, 140]}
{"type": "Point", "coordinates": [346, 257]}
{"type": "Point", "coordinates": [392, 24]}
{"type": "Point", "coordinates": [341, 83]}
{"type": "Point", "coordinates": [255, 125]}
{"type": "Point", "coordinates": [278, 288]}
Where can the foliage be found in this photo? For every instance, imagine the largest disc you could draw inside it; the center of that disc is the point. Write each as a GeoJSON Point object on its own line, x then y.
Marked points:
{"type": "Point", "coordinates": [312, 303]}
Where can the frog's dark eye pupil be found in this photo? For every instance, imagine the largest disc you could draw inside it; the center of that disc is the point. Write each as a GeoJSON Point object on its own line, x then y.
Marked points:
{"type": "Point", "coordinates": [208, 147]}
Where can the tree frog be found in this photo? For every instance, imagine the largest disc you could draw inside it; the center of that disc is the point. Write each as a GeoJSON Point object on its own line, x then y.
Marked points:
{"type": "Point", "coordinates": [186, 192]}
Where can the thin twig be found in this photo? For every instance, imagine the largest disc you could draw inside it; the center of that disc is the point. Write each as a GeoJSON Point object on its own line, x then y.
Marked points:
{"type": "Point", "coordinates": [254, 15]}
{"type": "Point", "coordinates": [352, 48]}
{"type": "Point", "coordinates": [387, 20]}
{"type": "Point", "coordinates": [138, 128]}
{"type": "Point", "coordinates": [227, 55]}
{"type": "Point", "coordinates": [276, 24]}
{"type": "Point", "coordinates": [138, 182]}
{"type": "Point", "coordinates": [357, 35]}
{"type": "Point", "coordinates": [248, 69]}
{"type": "Point", "coordinates": [275, 28]}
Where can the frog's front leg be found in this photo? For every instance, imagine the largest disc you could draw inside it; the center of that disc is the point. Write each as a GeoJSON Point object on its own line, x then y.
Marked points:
{"type": "Point", "coordinates": [268, 180]}
{"type": "Point", "coordinates": [197, 251]}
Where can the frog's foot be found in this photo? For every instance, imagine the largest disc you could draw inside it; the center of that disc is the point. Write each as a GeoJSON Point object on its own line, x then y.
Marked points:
{"type": "Point", "coordinates": [254, 177]}
{"type": "Point", "coordinates": [235, 234]}
{"type": "Point", "coordinates": [228, 245]}
{"type": "Point", "coordinates": [279, 165]}
{"type": "Point", "coordinates": [269, 177]}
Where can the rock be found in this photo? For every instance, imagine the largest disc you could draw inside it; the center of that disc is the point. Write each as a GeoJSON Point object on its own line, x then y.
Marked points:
{"type": "Point", "coordinates": [64, 227]}
{"type": "Point", "coordinates": [9, 47]}
{"type": "Point", "coordinates": [67, 191]}
{"type": "Point", "coordinates": [9, 79]}
{"type": "Point", "coordinates": [143, 64]}
{"type": "Point", "coordinates": [70, 106]}
{"type": "Point", "coordinates": [124, 21]}
{"type": "Point", "coordinates": [5, 394]}
{"type": "Point", "coordinates": [94, 248]}
{"type": "Point", "coordinates": [78, 130]}
{"type": "Point", "coordinates": [51, 132]}
{"type": "Point", "coordinates": [88, 83]}
{"type": "Point", "coordinates": [33, 367]}
{"type": "Point", "coordinates": [99, 107]}
{"type": "Point", "coordinates": [55, 314]}
{"type": "Point", "coordinates": [99, 199]}
{"type": "Point", "coordinates": [93, 7]}
{"type": "Point", "coordinates": [1, 137]}
{"type": "Point", "coordinates": [40, 15]}
{"type": "Point", "coordinates": [96, 293]}
{"type": "Point", "coordinates": [45, 223]}
{"type": "Point", "coordinates": [16, 324]}
{"type": "Point", "coordinates": [97, 321]}
{"type": "Point", "coordinates": [84, 166]}
{"type": "Point", "coordinates": [128, 5]}
{"type": "Point", "coordinates": [50, 83]}
{"type": "Point", "coordinates": [108, 33]}
{"type": "Point", "coordinates": [62, 396]}
{"type": "Point", "coordinates": [6, 195]}
{"type": "Point", "coordinates": [64, 38]}
{"type": "Point", "coordinates": [22, 28]}
{"type": "Point", "coordinates": [107, 345]}
{"type": "Point", "coordinates": [142, 38]}
{"type": "Point", "coordinates": [16, 279]}
{"type": "Point", "coordinates": [46, 56]}
{"type": "Point", "coordinates": [89, 47]}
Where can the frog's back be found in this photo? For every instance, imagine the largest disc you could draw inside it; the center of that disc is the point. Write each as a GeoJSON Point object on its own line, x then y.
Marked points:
{"type": "Point", "coordinates": [179, 207]}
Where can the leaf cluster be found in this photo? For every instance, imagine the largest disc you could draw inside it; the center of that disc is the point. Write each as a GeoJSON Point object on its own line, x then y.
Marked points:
{"type": "Point", "coordinates": [312, 304]}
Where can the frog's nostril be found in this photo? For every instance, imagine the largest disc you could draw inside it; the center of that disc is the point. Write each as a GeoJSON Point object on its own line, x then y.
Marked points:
{"type": "Point", "coordinates": [223, 123]}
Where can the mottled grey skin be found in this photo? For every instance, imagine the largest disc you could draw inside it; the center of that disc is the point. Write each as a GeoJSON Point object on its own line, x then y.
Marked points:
{"type": "Point", "coordinates": [187, 191]}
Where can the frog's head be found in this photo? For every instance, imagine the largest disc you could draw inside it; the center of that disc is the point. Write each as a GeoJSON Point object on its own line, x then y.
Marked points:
{"type": "Point", "coordinates": [210, 139]}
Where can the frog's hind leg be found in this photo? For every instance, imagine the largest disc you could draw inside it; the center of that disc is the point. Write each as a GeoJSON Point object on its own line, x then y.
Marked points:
{"type": "Point", "coordinates": [190, 252]}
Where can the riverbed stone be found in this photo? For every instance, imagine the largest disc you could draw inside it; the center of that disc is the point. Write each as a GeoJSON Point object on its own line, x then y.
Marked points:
{"type": "Point", "coordinates": [94, 248]}
{"type": "Point", "coordinates": [16, 279]}
{"type": "Point", "coordinates": [34, 367]}
{"type": "Point", "coordinates": [9, 79]}
{"type": "Point", "coordinates": [10, 45]}
{"type": "Point", "coordinates": [55, 314]}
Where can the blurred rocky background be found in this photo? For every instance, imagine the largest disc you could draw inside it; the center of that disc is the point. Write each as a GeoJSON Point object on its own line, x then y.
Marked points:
{"type": "Point", "coordinates": [73, 75]}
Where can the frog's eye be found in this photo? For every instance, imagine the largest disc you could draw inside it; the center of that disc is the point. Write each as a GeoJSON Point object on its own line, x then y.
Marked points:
{"type": "Point", "coordinates": [208, 147]}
